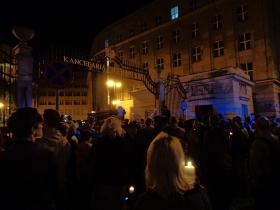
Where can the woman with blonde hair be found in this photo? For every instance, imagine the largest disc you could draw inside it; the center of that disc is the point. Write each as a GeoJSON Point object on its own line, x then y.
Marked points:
{"type": "Point", "coordinates": [109, 166]}
{"type": "Point", "coordinates": [167, 181]}
{"type": "Point", "coordinates": [112, 127]}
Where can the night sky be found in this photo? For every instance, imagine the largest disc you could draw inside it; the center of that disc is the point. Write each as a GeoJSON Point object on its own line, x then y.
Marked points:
{"type": "Point", "coordinates": [63, 23]}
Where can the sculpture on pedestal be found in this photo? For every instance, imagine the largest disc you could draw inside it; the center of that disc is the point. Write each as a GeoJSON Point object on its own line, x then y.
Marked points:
{"type": "Point", "coordinates": [24, 61]}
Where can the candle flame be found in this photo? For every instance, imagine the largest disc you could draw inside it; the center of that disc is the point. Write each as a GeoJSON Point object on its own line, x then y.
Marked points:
{"type": "Point", "coordinates": [189, 164]}
{"type": "Point", "coordinates": [131, 189]}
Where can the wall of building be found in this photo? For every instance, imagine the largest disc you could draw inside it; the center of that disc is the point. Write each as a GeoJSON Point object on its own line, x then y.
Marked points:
{"type": "Point", "coordinates": [244, 24]}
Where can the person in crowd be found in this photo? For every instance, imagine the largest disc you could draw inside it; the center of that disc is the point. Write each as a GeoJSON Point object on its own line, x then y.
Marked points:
{"type": "Point", "coordinates": [164, 110]}
{"type": "Point", "coordinates": [53, 140]}
{"type": "Point", "coordinates": [264, 166]}
{"type": "Point", "coordinates": [2, 147]}
{"type": "Point", "coordinates": [175, 129]}
{"type": "Point", "coordinates": [216, 169]}
{"type": "Point", "coordinates": [168, 186]}
{"type": "Point", "coordinates": [108, 166]}
{"type": "Point", "coordinates": [83, 169]}
{"type": "Point", "coordinates": [83, 152]}
{"type": "Point", "coordinates": [28, 172]}
{"type": "Point", "coordinates": [160, 123]}
{"type": "Point", "coordinates": [240, 144]}
{"type": "Point", "coordinates": [38, 130]}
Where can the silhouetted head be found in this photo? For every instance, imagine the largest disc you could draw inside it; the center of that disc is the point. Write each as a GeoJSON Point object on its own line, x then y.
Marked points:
{"type": "Point", "coordinates": [23, 121]}
{"type": "Point", "coordinates": [51, 118]}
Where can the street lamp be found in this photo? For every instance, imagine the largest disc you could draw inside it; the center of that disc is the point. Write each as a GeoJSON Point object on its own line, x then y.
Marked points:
{"type": "Point", "coordinates": [112, 84]}
{"type": "Point", "coordinates": [118, 84]}
{"type": "Point", "coordinates": [116, 102]}
{"type": "Point", "coordinates": [2, 113]}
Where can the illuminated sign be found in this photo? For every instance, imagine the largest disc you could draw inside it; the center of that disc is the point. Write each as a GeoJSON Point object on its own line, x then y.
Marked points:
{"type": "Point", "coordinates": [85, 63]}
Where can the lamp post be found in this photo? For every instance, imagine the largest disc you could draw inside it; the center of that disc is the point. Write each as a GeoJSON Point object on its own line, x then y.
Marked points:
{"type": "Point", "coordinates": [2, 113]}
{"type": "Point", "coordinates": [112, 84]}
{"type": "Point", "coordinates": [161, 93]}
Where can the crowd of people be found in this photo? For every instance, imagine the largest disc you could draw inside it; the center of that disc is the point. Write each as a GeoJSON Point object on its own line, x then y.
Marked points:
{"type": "Point", "coordinates": [49, 163]}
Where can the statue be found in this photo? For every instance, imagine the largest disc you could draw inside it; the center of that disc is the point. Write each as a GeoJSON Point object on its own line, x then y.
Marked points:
{"type": "Point", "coordinates": [24, 61]}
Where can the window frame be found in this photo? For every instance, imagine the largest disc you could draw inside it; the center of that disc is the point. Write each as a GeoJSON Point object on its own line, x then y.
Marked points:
{"type": "Point", "coordinates": [160, 63]}
{"type": "Point", "coordinates": [176, 60]}
{"type": "Point", "coordinates": [196, 54]}
{"type": "Point", "coordinates": [248, 69]}
{"type": "Point", "coordinates": [218, 48]}
{"type": "Point", "coordinates": [195, 30]}
{"type": "Point", "coordinates": [217, 22]}
{"type": "Point", "coordinates": [244, 41]}
{"type": "Point", "coordinates": [242, 13]}
{"type": "Point", "coordinates": [159, 42]}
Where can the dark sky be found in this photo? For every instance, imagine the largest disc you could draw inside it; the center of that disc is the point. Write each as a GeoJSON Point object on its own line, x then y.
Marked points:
{"type": "Point", "coordinates": [67, 23]}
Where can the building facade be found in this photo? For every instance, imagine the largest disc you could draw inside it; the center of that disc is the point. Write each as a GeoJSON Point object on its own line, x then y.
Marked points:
{"type": "Point", "coordinates": [197, 37]}
{"type": "Point", "coordinates": [7, 82]}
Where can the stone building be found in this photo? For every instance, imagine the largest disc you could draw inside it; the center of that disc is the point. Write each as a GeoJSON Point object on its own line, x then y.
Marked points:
{"type": "Point", "coordinates": [199, 37]}
{"type": "Point", "coordinates": [7, 82]}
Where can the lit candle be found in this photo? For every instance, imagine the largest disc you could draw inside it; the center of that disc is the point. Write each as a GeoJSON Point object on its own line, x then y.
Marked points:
{"type": "Point", "coordinates": [131, 189]}
{"type": "Point", "coordinates": [190, 172]}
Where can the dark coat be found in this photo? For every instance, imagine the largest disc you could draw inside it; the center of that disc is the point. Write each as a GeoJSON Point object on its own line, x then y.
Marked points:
{"type": "Point", "coordinates": [194, 199]}
{"type": "Point", "coordinates": [27, 177]}
{"type": "Point", "coordinates": [109, 161]}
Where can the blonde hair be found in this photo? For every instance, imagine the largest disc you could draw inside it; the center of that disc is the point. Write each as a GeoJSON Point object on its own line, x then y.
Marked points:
{"type": "Point", "coordinates": [165, 169]}
{"type": "Point", "coordinates": [112, 127]}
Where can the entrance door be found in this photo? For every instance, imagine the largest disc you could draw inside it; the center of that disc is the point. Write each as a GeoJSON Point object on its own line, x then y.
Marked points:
{"type": "Point", "coordinates": [203, 112]}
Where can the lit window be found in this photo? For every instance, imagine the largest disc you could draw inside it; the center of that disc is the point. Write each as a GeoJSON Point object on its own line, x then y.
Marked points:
{"type": "Point", "coordinates": [160, 63]}
{"type": "Point", "coordinates": [159, 42]}
{"type": "Point", "coordinates": [196, 54]}
{"type": "Point", "coordinates": [176, 36]}
{"type": "Point", "coordinates": [244, 41]}
{"type": "Point", "coordinates": [131, 52]}
{"type": "Point", "coordinates": [217, 22]}
{"type": "Point", "coordinates": [174, 13]}
{"type": "Point", "coordinates": [248, 69]}
{"type": "Point", "coordinates": [218, 49]}
{"type": "Point", "coordinates": [195, 30]}
{"type": "Point", "coordinates": [177, 61]}
{"type": "Point", "coordinates": [242, 13]}
{"type": "Point", "coordinates": [145, 48]}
